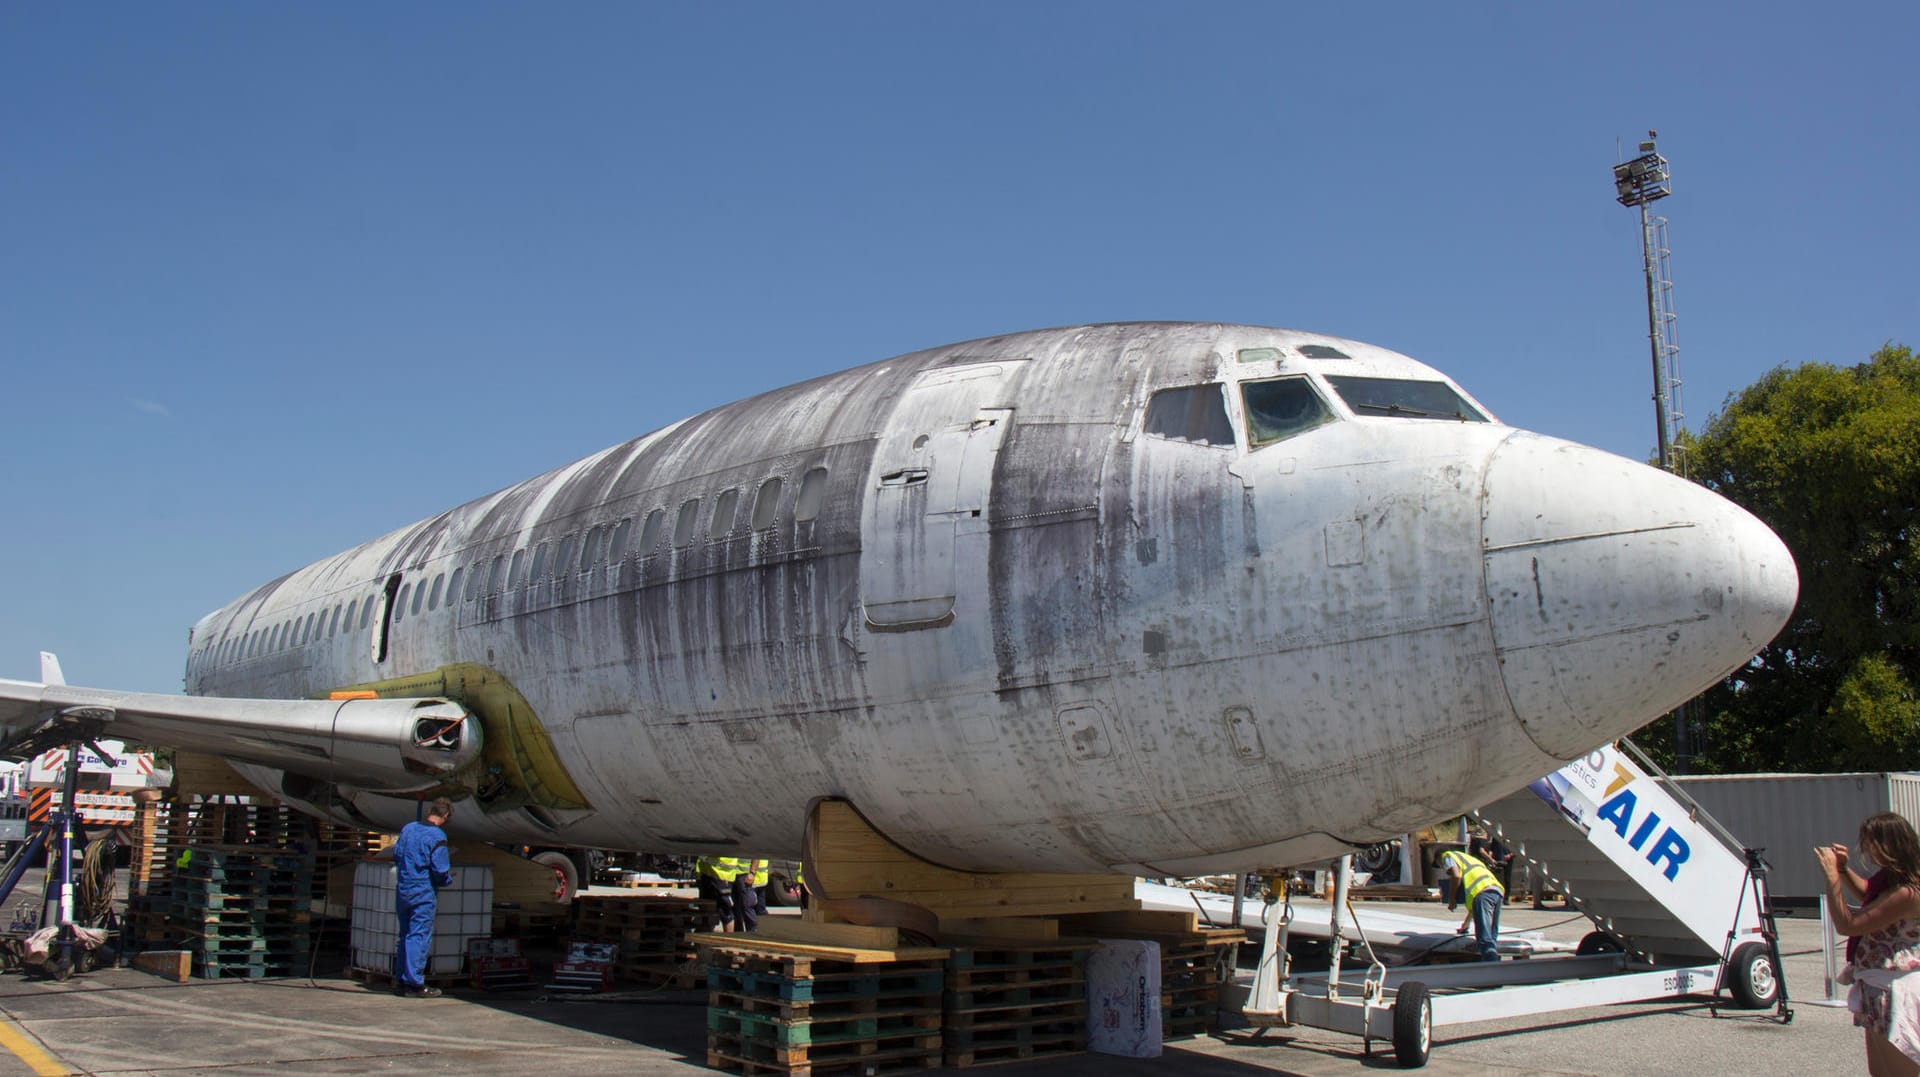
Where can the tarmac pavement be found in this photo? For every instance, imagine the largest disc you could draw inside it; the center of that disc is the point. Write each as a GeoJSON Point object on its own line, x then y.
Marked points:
{"type": "Point", "coordinates": [126, 1022]}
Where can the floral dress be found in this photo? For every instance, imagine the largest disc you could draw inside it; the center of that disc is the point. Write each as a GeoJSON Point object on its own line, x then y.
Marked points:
{"type": "Point", "coordinates": [1895, 948]}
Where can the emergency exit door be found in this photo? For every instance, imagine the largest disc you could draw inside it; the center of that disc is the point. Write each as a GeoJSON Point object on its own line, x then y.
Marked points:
{"type": "Point", "coordinates": [932, 476]}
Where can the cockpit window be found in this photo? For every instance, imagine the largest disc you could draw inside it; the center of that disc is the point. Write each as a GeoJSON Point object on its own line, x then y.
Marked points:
{"type": "Point", "coordinates": [1401, 398]}
{"type": "Point", "coordinates": [1281, 408]}
{"type": "Point", "coordinates": [1322, 351]}
{"type": "Point", "coordinates": [1196, 413]}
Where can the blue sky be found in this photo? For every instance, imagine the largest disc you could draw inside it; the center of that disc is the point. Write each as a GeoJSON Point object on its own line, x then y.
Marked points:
{"type": "Point", "coordinates": [275, 279]}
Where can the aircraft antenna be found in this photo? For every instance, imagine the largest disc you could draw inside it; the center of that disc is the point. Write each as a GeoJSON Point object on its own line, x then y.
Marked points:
{"type": "Point", "coordinates": [1638, 183]}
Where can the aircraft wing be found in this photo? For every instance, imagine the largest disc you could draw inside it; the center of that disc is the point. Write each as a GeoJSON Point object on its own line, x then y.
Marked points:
{"type": "Point", "coordinates": [381, 745]}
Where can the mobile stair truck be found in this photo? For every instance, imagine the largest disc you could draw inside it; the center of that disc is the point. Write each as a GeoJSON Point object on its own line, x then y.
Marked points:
{"type": "Point", "coordinates": [1679, 908]}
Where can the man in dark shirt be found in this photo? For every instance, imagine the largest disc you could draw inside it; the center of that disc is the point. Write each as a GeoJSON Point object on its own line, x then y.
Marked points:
{"type": "Point", "coordinates": [420, 868]}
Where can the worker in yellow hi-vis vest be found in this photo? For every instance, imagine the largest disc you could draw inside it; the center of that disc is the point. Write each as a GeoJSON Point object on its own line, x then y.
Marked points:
{"type": "Point", "coordinates": [1476, 882]}
{"type": "Point", "coordinates": [715, 876]}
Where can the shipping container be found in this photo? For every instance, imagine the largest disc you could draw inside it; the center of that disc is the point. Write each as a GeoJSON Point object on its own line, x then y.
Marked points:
{"type": "Point", "coordinates": [1788, 814]}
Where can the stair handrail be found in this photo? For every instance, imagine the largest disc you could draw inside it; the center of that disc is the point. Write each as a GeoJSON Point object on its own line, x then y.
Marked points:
{"type": "Point", "coordinates": [1695, 810]}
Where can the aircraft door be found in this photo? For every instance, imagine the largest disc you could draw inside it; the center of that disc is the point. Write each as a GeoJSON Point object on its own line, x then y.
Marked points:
{"type": "Point", "coordinates": [932, 477]}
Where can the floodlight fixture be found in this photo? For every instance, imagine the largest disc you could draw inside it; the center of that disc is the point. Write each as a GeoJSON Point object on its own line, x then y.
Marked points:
{"type": "Point", "coordinates": [1644, 179]}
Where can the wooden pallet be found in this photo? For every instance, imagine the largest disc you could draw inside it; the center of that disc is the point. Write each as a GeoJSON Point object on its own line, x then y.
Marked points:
{"type": "Point", "coordinates": [653, 935]}
{"type": "Point", "coordinates": [787, 1008]}
{"type": "Point", "coordinates": [878, 1054]}
{"type": "Point", "coordinates": [652, 884]}
{"type": "Point", "coordinates": [1008, 1001]}
{"type": "Point", "coordinates": [375, 979]}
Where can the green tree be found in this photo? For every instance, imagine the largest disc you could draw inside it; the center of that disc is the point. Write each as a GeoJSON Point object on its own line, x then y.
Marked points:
{"type": "Point", "coordinates": [1829, 457]}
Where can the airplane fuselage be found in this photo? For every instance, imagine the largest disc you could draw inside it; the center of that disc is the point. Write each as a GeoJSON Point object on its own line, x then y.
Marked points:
{"type": "Point", "coordinates": [1106, 597]}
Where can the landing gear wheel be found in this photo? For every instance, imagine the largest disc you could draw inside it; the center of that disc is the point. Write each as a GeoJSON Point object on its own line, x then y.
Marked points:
{"type": "Point", "coordinates": [782, 891]}
{"type": "Point", "coordinates": [60, 967]}
{"type": "Point", "coordinates": [1412, 1025]}
{"type": "Point", "coordinates": [566, 877]}
{"type": "Point", "coordinates": [1751, 977]}
{"type": "Point", "coordinates": [1598, 942]}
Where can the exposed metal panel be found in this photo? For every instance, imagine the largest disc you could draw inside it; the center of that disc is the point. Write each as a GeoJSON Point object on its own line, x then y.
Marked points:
{"type": "Point", "coordinates": [932, 472]}
{"type": "Point", "coordinates": [1789, 814]}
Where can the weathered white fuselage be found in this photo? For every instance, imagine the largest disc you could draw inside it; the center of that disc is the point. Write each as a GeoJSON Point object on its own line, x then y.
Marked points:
{"type": "Point", "coordinates": [1020, 629]}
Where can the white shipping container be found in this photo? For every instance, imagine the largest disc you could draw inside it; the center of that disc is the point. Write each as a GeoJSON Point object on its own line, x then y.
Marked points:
{"type": "Point", "coordinates": [464, 910]}
{"type": "Point", "coordinates": [1789, 814]}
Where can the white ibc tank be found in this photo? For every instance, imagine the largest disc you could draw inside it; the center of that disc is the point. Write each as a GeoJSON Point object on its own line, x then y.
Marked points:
{"type": "Point", "coordinates": [464, 911]}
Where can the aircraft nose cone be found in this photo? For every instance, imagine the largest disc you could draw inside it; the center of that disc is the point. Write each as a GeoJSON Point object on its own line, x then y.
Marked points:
{"type": "Point", "coordinates": [1618, 591]}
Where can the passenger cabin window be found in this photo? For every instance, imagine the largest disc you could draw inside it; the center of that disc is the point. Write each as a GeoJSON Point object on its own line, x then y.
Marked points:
{"type": "Point", "coordinates": [346, 623]}
{"type": "Point", "coordinates": [1193, 413]}
{"type": "Point", "coordinates": [517, 571]}
{"type": "Point", "coordinates": [1280, 409]}
{"type": "Point", "coordinates": [650, 531]}
{"type": "Point", "coordinates": [766, 502]}
{"type": "Point", "coordinates": [617, 545]}
{"type": "Point", "coordinates": [497, 578]}
{"type": "Point", "coordinates": [540, 555]}
{"type": "Point", "coordinates": [419, 595]}
{"type": "Point", "coordinates": [684, 526]}
{"type": "Point", "coordinates": [333, 625]}
{"type": "Point", "coordinates": [400, 602]}
{"type": "Point", "coordinates": [453, 585]}
{"type": "Point", "coordinates": [724, 507]}
{"type": "Point", "coordinates": [1404, 398]}
{"type": "Point", "coordinates": [433, 596]}
{"type": "Point", "coordinates": [812, 496]}
{"type": "Point", "coordinates": [563, 557]}
{"type": "Point", "coordinates": [592, 548]}
{"type": "Point", "coordinates": [366, 612]}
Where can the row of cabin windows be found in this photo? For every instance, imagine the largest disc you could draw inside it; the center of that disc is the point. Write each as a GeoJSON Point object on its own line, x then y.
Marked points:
{"type": "Point", "coordinates": [599, 546]}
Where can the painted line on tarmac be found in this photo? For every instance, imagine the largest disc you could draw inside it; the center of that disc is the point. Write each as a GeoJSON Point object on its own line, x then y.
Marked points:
{"type": "Point", "coordinates": [24, 1049]}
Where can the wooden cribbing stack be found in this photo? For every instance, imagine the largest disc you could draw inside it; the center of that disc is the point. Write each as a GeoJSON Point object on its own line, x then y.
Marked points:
{"type": "Point", "coordinates": [1012, 947]}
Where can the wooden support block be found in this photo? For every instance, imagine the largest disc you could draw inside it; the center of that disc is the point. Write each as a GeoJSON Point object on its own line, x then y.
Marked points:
{"type": "Point", "coordinates": [196, 774]}
{"type": "Point", "coordinates": [847, 858]}
{"type": "Point", "coordinates": [1135, 922]}
{"type": "Point", "coordinates": [1023, 928]}
{"type": "Point", "coordinates": [791, 929]}
{"type": "Point", "coordinates": [851, 954]}
{"type": "Point", "coordinates": [175, 965]}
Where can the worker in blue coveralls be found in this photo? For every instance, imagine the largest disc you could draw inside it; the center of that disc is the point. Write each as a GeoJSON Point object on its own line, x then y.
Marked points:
{"type": "Point", "coordinates": [420, 868]}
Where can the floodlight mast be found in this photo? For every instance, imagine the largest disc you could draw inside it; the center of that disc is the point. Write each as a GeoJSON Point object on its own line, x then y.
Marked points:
{"type": "Point", "coordinates": [1638, 182]}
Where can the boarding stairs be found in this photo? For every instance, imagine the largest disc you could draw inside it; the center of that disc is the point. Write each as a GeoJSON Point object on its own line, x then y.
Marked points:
{"type": "Point", "coordinates": [1652, 870]}
{"type": "Point", "coordinates": [1680, 910]}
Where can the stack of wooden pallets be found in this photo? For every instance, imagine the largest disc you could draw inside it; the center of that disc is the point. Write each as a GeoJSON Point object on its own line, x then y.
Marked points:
{"type": "Point", "coordinates": [791, 1013]}
{"type": "Point", "coordinates": [1192, 970]}
{"type": "Point", "coordinates": [654, 934]}
{"type": "Point", "coordinates": [167, 829]}
{"type": "Point", "coordinates": [1193, 962]}
{"type": "Point", "coordinates": [243, 910]}
{"type": "Point", "coordinates": [1009, 1001]}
